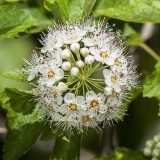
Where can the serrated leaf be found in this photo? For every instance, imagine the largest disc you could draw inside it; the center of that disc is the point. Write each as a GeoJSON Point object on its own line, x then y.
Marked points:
{"type": "Point", "coordinates": [50, 4]}
{"type": "Point", "coordinates": [20, 141]}
{"type": "Point", "coordinates": [124, 154]}
{"type": "Point", "coordinates": [151, 87]}
{"type": "Point", "coordinates": [88, 6]}
{"type": "Point", "coordinates": [66, 148]}
{"type": "Point", "coordinates": [133, 37]}
{"type": "Point", "coordinates": [71, 9]}
{"type": "Point", "coordinates": [14, 21]}
{"type": "Point", "coordinates": [19, 101]}
{"type": "Point", "coordinates": [130, 10]}
{"type": "Point", "coordinates": [17, 75]}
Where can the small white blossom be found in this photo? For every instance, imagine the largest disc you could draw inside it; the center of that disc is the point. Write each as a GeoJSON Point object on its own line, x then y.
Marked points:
{"type": "Point", "coordinates": [80, 64]}
{"type": "Point", "coordinates": [66, 66]}
{"type": "Point", "coordinates": [66, 54]}
{"type": "Point", "coordinates": [75, 47]}
{"type": "Point", "coordinates": [62, 87]}
{"type": "Point", "coordinates": [89, 59]}
{"type": "Point", "coordinates": [74, 71]}
{"type": "Point", "coordinates": [84, 52]}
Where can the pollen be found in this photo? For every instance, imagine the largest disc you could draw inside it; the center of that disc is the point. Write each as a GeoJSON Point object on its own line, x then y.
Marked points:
{"type": "Point", "coordinates": [54, 94]}
{"type": "Point", "coordinates": [73, 107]}
{"type": "Point", "coordinates": [114, 79]}
{"type": "Point", "coordinates": [51, 74]}
{"type": "Point", "coordinates": [117, 62]}
{"type": "Point", "coordinates": [94, 104]}
{"type": "Point", "coordinates": [86, 118]}
{"type": "Point", "coordinates": [104, 54]}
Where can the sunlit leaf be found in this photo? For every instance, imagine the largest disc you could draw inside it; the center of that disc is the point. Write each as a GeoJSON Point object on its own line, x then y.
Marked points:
{"type": "Point", "coordinates": [130, 10]}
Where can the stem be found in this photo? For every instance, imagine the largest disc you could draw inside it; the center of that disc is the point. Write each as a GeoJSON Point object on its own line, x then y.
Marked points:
{"type": "Point", "coordinates": [150, 51]}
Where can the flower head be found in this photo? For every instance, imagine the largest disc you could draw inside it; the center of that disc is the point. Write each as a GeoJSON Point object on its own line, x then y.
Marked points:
{"type": "Point", "coordinates": [81, 75]}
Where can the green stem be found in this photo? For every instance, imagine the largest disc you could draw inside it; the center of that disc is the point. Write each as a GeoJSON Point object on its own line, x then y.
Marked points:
{"type": "Point", "coordinates": [150, 51]}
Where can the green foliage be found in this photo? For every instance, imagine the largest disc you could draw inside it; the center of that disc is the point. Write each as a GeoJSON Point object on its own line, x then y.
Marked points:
{"type": "Point", "coordinates": [13, 21]}
{"type": "Point", "coordinates": [66, 148]}
{"type": "Point", "coordinates": [124, 154]}
{"type": "Point", "coordinates": [130, 10]}
{"type": "Point", "coordinates": [23, 130]}
{"type": "Point", "coordinates": [151, 87]}
{"type": "Point", "coordinates": [71, 9]}
{"type": "Point", "coordinates": [133, 37]}
{"type": "Point", "coordinates": [20, 101]}
{"type": "Point", "coordinates": [50, 4]}
{"type": "Point", "coordinates": [20, 141]}
{"type": "Point", "coordinates": [15, 75]}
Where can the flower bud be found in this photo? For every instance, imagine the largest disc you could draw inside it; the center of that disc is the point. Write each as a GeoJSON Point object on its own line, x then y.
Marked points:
{"type": "Point", "coordinates": [89, 59]}
{"type": "Point", "coordinates": [156, 152]}
{"type": "Point", "coordinates": [147, 152]}
{"type": "Point", "coordinates": [75, 47]}
{"type": "Point", "coordinates": [84, 52]}
{"type": "Point", "coordinates": [74, 71]}
{"type": "Point", "coordinates": [80, 64]}
{"type": "Point", "coordinates": [66, 66]}
{"type": "Point", "coordinates": [62, 86]}
{"type": "Point", "coordinates": [66, 54]}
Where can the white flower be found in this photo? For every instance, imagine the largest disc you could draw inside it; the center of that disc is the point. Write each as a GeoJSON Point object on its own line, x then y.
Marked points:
{"type": "Point", "coordinates": [74, 71]}
{"type": "Point", "coordinates": [114, 80]}
{"type": "Point", "coordinates": [89, 59]}
{"type": "Point", "coordinates": [104, 55]}
{"type": "Point", "coordinates": [95, 102]}
{"type": "Point", "coordinates": [75, 47]}
{"type": "Point", "coordinates": [50, 74]}
{"type": "Point", "coordinates": [66, 66]}
{"type": "Point", "coordinates": [120, 65]}
{"type": "Point", "coordinates": [72, 105]}
{"type": "Point", "coordinates": [51, 41]}
{"type": "Point", "coordinates": [50, 95]}
{"type": "Point", "coordinates": [62, 86]}
{"type": "Point", "coordinates": [73, 34]}
{"type": "Point", "coordinates": [90, 41]}
{"type": "Point", "coordinates": [84, 52]}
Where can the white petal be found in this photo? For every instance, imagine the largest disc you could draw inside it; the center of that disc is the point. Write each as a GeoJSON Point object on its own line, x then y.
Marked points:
{"type": "Point", "coordinates": [59, 74]}
{"type": "Point", "coordinates": [69, 97]}
{"type": "Point", "coordinates": [80, 100]}
{"type": "Point", "coordinates": [106, 72]}
{"type": "Point", "coordinates": [90, 95]}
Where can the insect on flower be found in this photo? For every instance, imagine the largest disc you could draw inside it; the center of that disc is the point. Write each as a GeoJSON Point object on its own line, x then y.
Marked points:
{"type": "Point", "coordinates": [81, 74]}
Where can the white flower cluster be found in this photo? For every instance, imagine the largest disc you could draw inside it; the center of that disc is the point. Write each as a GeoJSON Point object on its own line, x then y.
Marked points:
{"type": "Point", "coordinates": [81, 74]}
{"type": "Point", "coordinates": [152, 148]}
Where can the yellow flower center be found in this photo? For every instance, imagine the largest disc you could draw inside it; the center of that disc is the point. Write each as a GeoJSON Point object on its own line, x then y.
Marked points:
{"type": "Point", "coordinates": [104, 54]}
{"type": "Point", "coordinates": [86, 118]}
{"type": "Point", "coordinates": [51, 74]}
{"type": "Point", "coordinates": [117, 62]}
{"type": "Point", "coordinates": [50, 108]}
{"type": "Point", "coordinates": [94, 104]}
{"type": "Point", "coordinates": [114, 79]}
{"type": "Point", "coordinates": [73, 107]}
{"type": "Point", "coordinates": [54, 94]}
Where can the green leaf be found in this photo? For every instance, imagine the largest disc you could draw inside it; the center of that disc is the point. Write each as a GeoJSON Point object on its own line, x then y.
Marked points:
{"type": "Point", "coordinates": [133, 37]}
{"type": "Point", "coordinates": [66, 148]}
{"type": "Point", "coordinates": [130, 10]}
{"type": "Point", "coordinates": [50, 4]}
{"type": "Point", "coordinates": [20, 141]}
{"type": "Point", "coordinates": [14, 21]}
{"type": "Point", "coordinates": [17, 75]}
{"type": "Point", "coordinates": [23, 130]}
{"type": "Point", "coordinates": [151, 87]}
{"type": "Point", "coordinates": [19, 101]}
{"type": "Point", "coordinates": [42, 21]}
{"type": "Point", "coordinates": [71, 9]}
{"type": "Point", "coordinates": [88, 6]}
{"type": "Point", "coordinates": [124, 154]}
